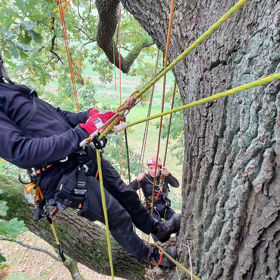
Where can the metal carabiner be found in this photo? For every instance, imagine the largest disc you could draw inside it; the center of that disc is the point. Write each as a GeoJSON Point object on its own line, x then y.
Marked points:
{"type": "Point", "coordinates": [23, 181]}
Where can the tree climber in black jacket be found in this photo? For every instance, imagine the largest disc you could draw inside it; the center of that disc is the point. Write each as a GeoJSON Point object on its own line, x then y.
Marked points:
{"type": "Point", "coordinates": [45, 140]}
{"type": "Point", "coordinates": [162, 209]}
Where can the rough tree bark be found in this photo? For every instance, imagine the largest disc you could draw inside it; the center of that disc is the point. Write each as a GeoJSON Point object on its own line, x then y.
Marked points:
{"type": "Point", "coordinates": [231, 177]}
{"type": "Point", "coordinates": [80, 239]}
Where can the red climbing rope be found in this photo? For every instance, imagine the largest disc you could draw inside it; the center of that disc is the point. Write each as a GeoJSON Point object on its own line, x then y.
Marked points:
{"type": "Point", "coordinates": [163, 96]}
{"type": "Point", "coordinates": [61, 13]}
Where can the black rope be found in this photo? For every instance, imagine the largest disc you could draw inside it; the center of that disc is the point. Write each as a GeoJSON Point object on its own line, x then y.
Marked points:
{"type": "Point", "coordinates": [144, 141]}
{"type": "Point", "coordinates": [127, 155]}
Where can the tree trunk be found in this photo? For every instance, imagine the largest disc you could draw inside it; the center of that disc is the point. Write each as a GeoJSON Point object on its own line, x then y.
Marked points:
{"type": "Point", "coordinates": [80, 239]}
{"type": "Point", "coordinates": [231, 177]}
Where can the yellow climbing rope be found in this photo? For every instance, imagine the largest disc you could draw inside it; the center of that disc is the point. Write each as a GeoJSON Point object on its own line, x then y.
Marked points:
{"type": "Point", "coordinates": [177, 263]}
{"type": "Point", "coordinates": [256, 83]}
{"type": "Point", "coordinates": [105, 211]}
{"type": "Point", "coordinates": [202, 38]}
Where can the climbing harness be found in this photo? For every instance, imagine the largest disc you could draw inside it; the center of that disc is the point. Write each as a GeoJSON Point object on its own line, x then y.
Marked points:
{"type": "Point", "coordinates": [41, 210]}
{"type": "Point", "coordinates": [158, 191]}
{"type": "Point", "coordinates": [69, 194]}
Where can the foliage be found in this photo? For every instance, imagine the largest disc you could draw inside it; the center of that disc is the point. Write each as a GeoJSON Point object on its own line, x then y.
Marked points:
{"type": "Point", "coordinates": [11, 228]}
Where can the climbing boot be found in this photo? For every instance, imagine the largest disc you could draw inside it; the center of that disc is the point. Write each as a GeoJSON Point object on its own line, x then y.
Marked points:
{"type": "Point", "coordinates": [163, 229]}
{"type": "Point", "coordinates": [156, 257]}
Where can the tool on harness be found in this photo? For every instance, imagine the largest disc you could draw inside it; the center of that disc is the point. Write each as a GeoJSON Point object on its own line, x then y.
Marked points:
{"type": "Point", "coordinates": [39, 199]}
{"type": "Point", "coordinates": [60, 251]}
{"type": "Point", "coordinates": [42, 211]}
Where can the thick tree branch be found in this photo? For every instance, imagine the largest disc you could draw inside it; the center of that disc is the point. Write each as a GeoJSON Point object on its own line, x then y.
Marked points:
{"type": "Point", "coordinates": [53, 41]}
{"type": "Point", "coordinates": [84, 241]}
{"type": "Point", "coordinates": [107, 11]}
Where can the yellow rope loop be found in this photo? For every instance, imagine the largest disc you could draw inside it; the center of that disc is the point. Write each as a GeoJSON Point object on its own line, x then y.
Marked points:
{"type": "Point", "coordinates": [105, 211]}
{"type": "Point", "coordinates": [177, 263]}
{"type": "Point", "coordinates": [202, 38]}
{"type": "Point", "coordinates": [54, 233]}
{"type": "Point", "coordinates": [256, 83]}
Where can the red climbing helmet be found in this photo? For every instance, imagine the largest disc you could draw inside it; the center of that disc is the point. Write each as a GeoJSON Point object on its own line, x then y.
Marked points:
{"type": "Point", "coordinates": [152, 161]}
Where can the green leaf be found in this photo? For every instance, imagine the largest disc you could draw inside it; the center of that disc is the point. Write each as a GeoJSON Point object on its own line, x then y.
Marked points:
{"type": "Point", "coordinates": [20, 4]}
{"type": "Point", "coordinates": [2, 258]}
{"type": "Point", "coordinates": [23, 55]}
{"type": "Point", "coordinates": [1, 191]}
{"type": "Point", "coordinates": [25, 47]}
{"type": "Point", "coordinates": [12, 228]}
{"type": "Point", "coordinates": [36, 36]}
{"type": "Point", "coordinates": [7, 53]}
{"type": "Point", "coordinates": [3, 208]}
{"type": "Point", "coordinates": [27, 25]}
{"type": "Point", "coordinates": [13, 50]}
{"type": "Point", "coordinates": [25, 38]}
{"type": "Point", "coordinates": [9, 34]}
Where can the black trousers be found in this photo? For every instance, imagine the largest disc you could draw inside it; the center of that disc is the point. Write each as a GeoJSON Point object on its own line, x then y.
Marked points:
{"type": "Point", "coordinates": [123, 207]}
{"type": "Point", "coordinates": [165, 213]}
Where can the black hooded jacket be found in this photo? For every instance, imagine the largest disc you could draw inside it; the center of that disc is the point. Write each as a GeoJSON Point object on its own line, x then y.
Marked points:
{"type": "Point", "coordinates": [51, 135]}
{"type": "Point", "coordinates": [147, 186]}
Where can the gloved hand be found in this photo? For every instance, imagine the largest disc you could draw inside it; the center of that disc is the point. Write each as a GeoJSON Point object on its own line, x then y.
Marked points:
{"type": "Point", "coordinates": [92, 112]}
{"type": "Point", "coordinates": [97, 119]}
